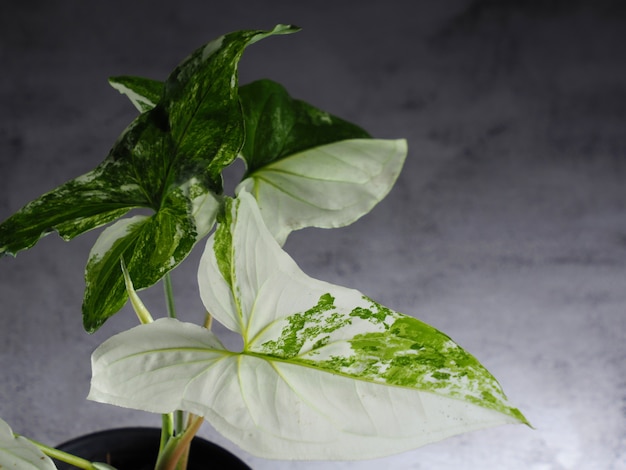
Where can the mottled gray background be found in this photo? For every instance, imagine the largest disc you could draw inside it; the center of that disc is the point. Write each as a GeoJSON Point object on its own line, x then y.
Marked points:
{"type": "Point", "coordinates": [507, 228]}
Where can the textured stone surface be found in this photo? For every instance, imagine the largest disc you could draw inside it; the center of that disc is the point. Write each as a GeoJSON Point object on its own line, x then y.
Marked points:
{"type": "Point", "coordinates": [507, 229]}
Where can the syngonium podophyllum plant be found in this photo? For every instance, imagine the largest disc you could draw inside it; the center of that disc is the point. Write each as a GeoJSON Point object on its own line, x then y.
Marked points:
{"type": "Point", "coordinates": [325, 372]}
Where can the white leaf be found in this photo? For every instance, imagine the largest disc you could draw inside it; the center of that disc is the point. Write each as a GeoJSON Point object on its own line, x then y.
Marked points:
{"type": "Point", "coordinates": [327, 186]}
{"type": "Point", "coordinates": [19, 453]}
{"type": "Point", "coordinates": [148, 369]}
{"type": "Point", "coordinates": [269, 283]}
{"type": "Point", "coordinates": [270, 407]}
{"type": "Point", "coordinates": [325, 373]}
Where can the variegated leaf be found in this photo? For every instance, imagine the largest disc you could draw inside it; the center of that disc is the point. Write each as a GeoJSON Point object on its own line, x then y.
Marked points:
{"type": "Point", "coordinates": [298, 178]}
{"type": "Point", "coordinates": [328, 186]}
{"type": "Point", "coordinates": [278, 125]}
{"type": "Point", "coordinates": [169, 160]}
{"type": "Point", "coordinates": [325, 372]}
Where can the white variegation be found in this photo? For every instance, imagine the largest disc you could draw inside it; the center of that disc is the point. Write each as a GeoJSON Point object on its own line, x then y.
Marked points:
{"type": "Point", "coordinates": [113, 234]}
{"type": "Point", "coordinates": [211, 48]}
{"type": "Point", "coordinates": [269, 284]}
{"type": "Point", "coordinates": [18, 453]}
{"type": "Point", "coordinates": [327, 186]}
{"type": "Point", "coordinates": [140, 101]}
{"type": "Point", "coordinates": [204, 206]}
{"type": "Point", "coordinates": [272, 402]}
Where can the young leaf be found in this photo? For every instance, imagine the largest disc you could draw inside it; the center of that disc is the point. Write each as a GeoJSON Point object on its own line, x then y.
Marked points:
{"type": "Point", "coordinates": [20, 454]}
{"type": "Point", "coordinates": [169, 160]}
{"type": "Point", "coordinates": [325, 372]}
{"type": "Point", "coordinates": [328, 186]}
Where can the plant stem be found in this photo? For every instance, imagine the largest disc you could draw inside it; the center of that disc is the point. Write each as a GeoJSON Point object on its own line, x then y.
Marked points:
{"type": "Point", "coordinates": [184, 459]}
{"type": "Point", "coordinates": [179, 416]}
{"type": "Point", "coordinates": [169, 295]}
{"type": "Point", "coordinates": [63, 456]}
{"type": "Point", "coordinates": [178, 446]}
{"type": "Point", "coordinates": [208, 321]}
{"type": "Point", "coordinates": [179, 422]}
{"type": "Point", "coordinates": [167, 430]}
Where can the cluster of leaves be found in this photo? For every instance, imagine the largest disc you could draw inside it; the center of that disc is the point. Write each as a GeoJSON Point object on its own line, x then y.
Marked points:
{"type": "Point", "coordinates": [325, 372]}
{"type": "Point", "coordinates": [305, 166]}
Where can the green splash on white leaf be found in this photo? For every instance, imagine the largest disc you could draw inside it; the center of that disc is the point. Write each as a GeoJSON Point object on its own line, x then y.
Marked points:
{"type": "Point", "coordinates": [325, 372]}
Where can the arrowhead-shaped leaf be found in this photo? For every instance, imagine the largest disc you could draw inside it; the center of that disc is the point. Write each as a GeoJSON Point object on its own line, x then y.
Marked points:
{"type": "Point", "coordinates": [169, 160]}
{"type": "Point", "coordinates": [328, 186]}
{"type": "Point", "coordinates": [325, 372]}
{"type": "Point", "coordinates": [20, 454]}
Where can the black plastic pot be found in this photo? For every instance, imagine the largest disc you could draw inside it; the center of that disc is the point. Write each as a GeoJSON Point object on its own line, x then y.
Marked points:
{"type": "Point", "coordinates": [136, 449]}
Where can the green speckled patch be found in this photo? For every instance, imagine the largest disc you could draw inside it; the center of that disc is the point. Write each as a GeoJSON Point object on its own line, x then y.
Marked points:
{"type": "Point", "coordinates": [376, 313]}
{"type": "Point", "coordinates": [223, 242]}
{"type": "Point", "coordinates": [314, 325]}
{"type": "Point", "coordinates": [410, 353]}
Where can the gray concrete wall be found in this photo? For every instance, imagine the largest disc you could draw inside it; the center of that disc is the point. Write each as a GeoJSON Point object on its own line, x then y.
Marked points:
{"type": "Point", "coordinates": [507, 228]}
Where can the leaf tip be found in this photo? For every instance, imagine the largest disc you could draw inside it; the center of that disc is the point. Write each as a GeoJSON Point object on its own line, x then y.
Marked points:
{"type": "Point", "coordinates": [286, 28]}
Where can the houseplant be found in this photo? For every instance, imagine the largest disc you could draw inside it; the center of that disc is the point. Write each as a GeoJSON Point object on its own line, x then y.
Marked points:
{"type": "Point", "coordinates": [325, 372]}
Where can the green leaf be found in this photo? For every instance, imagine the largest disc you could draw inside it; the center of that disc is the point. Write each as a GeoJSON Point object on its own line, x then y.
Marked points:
{"type": "Point", "coordinates": [75, 207]}
{"type": "Point", "coordinates": [278, 126]}
{"type": "Point", "coordinates": [144, 93]}
{"type": "Point", "coordinates": [150, 247]}
{"type": "Point", "coordinates": [327, 186]}
{"type": "Point", "coordinates": [168, 160]}
{"type": "Point", "coordinates": [325, 372]}
{"type": "Point", "coordinates": [202, 101]}
{"type": "Point", "coordinates": [297, 177]}
{"type": "Point", "coordinates": [19, 453]}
